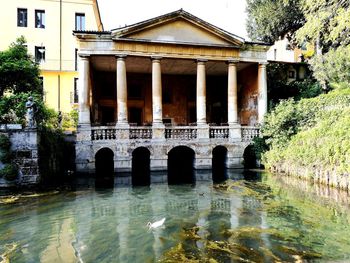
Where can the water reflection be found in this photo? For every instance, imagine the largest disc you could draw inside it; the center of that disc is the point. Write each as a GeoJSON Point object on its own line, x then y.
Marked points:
{"type": "Point", "coordinates": [260, 219]}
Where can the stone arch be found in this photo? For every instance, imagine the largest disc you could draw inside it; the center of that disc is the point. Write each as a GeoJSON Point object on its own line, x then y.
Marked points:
{"type": "Point", "coordinates": [140, 168]}
{"type": "Point", "coordinates": [104, 167]}
{"type": "Point", "coordinates": [249, 157]}
{"type": "Point", "coordinates": [181, 165]}
{"type": "Point", "coordinates": [219, 163]}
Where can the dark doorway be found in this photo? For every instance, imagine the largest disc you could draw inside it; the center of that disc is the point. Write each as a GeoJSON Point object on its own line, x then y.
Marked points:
{"type": "Point", "coordinates": [141, 167]}
{"type": "Point", "coordinates": [107, 115]}
{"type": "Point", "coordinates": [249, 157]}
{"type": "Point", "coordinates": [136, 116]}
{"type": "Point", "coordinates": [219, 164]}
{"type": "Point", "coordinates": [181, 165]}
{"type": "Point", "coordinates": [104, 165]}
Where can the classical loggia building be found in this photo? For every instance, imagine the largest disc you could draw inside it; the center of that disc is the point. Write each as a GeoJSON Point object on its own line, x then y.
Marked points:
{"type": "Point", "coordinates": [174, 80]}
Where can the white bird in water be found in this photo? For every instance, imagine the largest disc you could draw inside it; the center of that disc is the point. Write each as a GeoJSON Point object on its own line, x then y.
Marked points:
{"type": "Point", "coordinates": [156, 224]}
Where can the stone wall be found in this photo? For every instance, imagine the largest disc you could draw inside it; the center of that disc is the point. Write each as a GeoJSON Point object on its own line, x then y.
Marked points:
{"type": "Point", "coordinates": [24, 145]}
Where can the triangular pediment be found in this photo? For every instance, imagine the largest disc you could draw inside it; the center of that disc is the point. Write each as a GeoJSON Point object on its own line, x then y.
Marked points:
{"type": "Point", "coordinates": [178, 27]}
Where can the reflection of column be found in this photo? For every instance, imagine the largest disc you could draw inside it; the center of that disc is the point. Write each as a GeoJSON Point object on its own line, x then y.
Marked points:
{"type": "Point", "coordinates": [157, 91]}
{"type": "Point", "coordinates": [201, 93]}
{"type": "Point", "coordinates": [158, 208]}
{"type": "Point", "coordinates": [262, 86]}
{"type": "Point", "coordinates": [123, 226]}
{"type": "Point", "coordinates": [122, 96]}
{"type": "Point", "coordinates": [84, 108]}
{"type": "Point", "coordinates": [232, 93]}
{"type": "Point", "coordinates": [204, 210]}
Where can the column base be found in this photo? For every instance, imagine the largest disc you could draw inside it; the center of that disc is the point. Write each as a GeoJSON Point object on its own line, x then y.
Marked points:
{"type": "Point", "coordinates": [158, 131]}
{"type": "Point", "coordinates": [202, 131]}
{"type": "Point", "coordinates": [235, 131]}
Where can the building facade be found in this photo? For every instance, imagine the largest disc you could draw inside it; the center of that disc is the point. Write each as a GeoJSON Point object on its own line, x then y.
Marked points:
{"type": "Point", "coordinates": [47, 26]}
{"type": "Point", "coordinates": [168, 82]}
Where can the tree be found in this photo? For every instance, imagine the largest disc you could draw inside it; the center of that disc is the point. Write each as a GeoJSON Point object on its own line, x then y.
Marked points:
{"type": "Point", "coordinates": [268, 20]}
{"type": "Point", "coordinates": [18, 71]}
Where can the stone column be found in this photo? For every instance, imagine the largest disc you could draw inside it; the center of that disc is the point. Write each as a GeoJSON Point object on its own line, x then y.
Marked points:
{"type": "Point", "coordinates": [84, 91]}
{"type": "Point", "coordinates": [232, 102]}
{"type": "Point", "coordinates": [158, 129]}
{"type": "Point", "coordinates": [157, 92]}
{"type": "Point", "coordinates": [232, 93]}
{"type": "Point", "coordinates": [262, 86]}
{"type": "Point", "coordinates": [122, 93]}
{"type": "Point", "coordinates": [202, 126]}
{"type": "Point", "coordinates": [201, 93]}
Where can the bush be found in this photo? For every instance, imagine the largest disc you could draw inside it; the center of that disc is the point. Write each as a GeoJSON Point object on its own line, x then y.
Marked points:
{"type": "Point", "coordinates": [70, 120]}
{"type": "Point", "coordinates": [310, 133]}
{"type": "Point", "coordinates": [9, 172]}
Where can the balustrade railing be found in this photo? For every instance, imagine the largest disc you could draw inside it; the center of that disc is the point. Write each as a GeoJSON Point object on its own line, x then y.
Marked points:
{"type": "Point", "coordinates": [249, 133]}
{"type": "Point", "coordinates": [181, 133]}
{"type": "Point", "coordinates": [103, 133]}
{"type": "Point", "coordinates": [218, 132]}
{"type": "Point", "coordinates": [140, 133]}
{"type": "Point", "coordinates": [173, 132]}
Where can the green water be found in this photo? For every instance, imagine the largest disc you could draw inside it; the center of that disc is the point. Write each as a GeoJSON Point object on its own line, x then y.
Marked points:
{"type": "Point", "coordinates": [262, 220]}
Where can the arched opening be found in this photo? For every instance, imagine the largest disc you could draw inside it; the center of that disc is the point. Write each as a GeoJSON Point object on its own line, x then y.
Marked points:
{"type": "Point", "coordinates": [181, 165]}
{"type": "Point", "coordinates": [141, 167]}
{"type": "Point", "coordinates": [249, 157]}
{"type": "Point", "coordinates": [104, 165]}
{"type": "Point", "coordinates": [219, 164]}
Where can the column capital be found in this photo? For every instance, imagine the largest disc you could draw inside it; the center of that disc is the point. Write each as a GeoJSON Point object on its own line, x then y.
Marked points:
{"type": "Point", "coordinates": [84, 56]}
{"type": "Point", "coordinates": [263, 64]}
{"type": "Point", "coordinates": [156, 58]}
{"type": "Point", "coordinates": [232, 61]}
{"type": "Point", "coordinates": [121, 57]}
{"type": "Point", "coordinates": [201, 61]}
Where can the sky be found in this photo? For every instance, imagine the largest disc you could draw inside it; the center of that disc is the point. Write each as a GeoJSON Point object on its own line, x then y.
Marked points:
{"type": "Point", "coordinates": [229, 15]}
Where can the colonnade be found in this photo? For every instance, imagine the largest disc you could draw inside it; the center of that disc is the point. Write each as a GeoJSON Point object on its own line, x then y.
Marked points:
{"type": "Point", "coordinates": [157, 111]}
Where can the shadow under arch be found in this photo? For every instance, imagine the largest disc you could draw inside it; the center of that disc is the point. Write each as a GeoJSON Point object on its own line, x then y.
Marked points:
{"type": "Point", "coordinates": [140, 173]}
{"type": "Point", "coordinates": [181, 165]}
{"type": "Point", "coordinates": [219, 164]}
{"type": "Point", "coordinates": [249, 157]}
{"type": "Point", "coordinates": [104, 168]}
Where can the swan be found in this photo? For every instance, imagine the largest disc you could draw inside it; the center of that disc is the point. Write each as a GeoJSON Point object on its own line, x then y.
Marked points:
{"type": "Point", "coordinates": [156, 224]}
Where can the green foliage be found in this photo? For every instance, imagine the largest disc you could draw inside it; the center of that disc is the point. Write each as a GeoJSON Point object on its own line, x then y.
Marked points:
{"type": "Point", "coordinates": [280, 88]}
{"type": "Point", "coordinates": [310, 132]}
{"type": "Point", "coordinates": [327, 23]}
{"type": "Point", "coordinates": [9, 172]}
{"type": "Point", "coordinates": [270, 19]}
{"type": "Point", "coordinates": [18, 71]}
{"type": "Point", "coordinates": [332, 67]}
{"type": "Point", "coordinates": [15, 104]}
{"type": "Point", "coordinates": [70, 120]}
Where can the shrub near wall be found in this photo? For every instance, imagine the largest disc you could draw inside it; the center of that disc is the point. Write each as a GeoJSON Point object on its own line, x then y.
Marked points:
{"type": "Point", "coordinates": [311, 138]}
{"type": "Point", "coordinates": [8, 170]}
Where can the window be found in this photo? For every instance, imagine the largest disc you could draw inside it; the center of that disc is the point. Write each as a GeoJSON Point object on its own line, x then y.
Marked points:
{"type": "Point", "coordinates": [39, 18]}
{"type": "Point", "coordinates": [79, 21]}
{"type": "Point", "coordinates": [75, 96]}
{"type": "Point", "coordinates": [22, 17]}
{"type": "Point", "coordinates": [76, 59]}
{"type": "Point", "coordinates": [39, 54]}
{"type": "Point", "coordinates": [134, 91]}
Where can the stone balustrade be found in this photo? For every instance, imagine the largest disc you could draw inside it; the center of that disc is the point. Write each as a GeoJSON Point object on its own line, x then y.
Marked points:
{"type": "Point", "coordinates": [249, 133]}
{"type": "Point", "coordinates": [103, 133]}
{"type": "Point", "coordinates": [99, 133]}
{"type": "Point", "coordinates": [218, 132]}
{"type": "Point", "coordinates": [181, 133]}
{"type": "Point", "coordinates": [140, 133]}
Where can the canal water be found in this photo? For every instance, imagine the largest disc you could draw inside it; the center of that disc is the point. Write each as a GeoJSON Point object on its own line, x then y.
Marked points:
{"type": "Point", "coordinates": [254, 218]}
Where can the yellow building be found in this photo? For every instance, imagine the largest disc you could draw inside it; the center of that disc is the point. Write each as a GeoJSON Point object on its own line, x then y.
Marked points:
{"type": "Point", "coordinates": [47, 26]}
